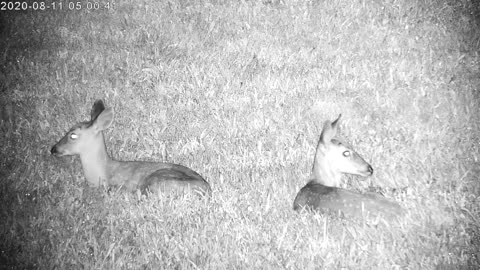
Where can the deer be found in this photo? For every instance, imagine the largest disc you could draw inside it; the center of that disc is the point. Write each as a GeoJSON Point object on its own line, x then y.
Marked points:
{"type": "Point", "coordinates": [86, 140]}
{"type": "Point", "coordinates": [333, 158]}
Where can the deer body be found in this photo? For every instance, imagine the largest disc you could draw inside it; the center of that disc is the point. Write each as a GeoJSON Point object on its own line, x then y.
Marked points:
{"type": "Point", "coordinates": [332, 159]}
{"type": "Point", "coordinates": [338, 200]}
{"type": "Point", "coordinates": [86, 140]}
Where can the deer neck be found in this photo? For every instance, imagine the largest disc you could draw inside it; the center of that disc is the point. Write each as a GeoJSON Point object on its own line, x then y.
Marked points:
{"type": "Point", "coordinates": [323, 173]}
{"type": "Point", "coordinates": [95, 163]}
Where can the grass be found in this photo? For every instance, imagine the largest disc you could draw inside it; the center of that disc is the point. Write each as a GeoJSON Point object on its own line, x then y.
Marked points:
{"type": "Point", "coordinates": [238, 91]}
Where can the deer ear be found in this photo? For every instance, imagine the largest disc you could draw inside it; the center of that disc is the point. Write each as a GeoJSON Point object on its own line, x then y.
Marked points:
{"type": "Point", "coordinates": [329, 130]}
{"type": "Point", "coordinates": [336, 123]}
{"type": "Point", "coordinates": [97, 108]}
{"type": "Point", "coordinates": [104, 119]}
{"type": "Point", "coordinates": [327, 133]}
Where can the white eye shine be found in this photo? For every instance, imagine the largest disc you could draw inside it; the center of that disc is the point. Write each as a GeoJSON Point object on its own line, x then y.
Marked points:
{"type": "Point", "coordinates": [73, 136]}
{"type": "Point", "coordinates": [346, 153]}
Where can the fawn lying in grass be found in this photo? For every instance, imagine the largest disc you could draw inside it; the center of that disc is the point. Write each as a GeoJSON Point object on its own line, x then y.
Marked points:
{"type": "Point", "coordinates": [333, 158]}
{"type": "Point", "coordinates": [86, 140]}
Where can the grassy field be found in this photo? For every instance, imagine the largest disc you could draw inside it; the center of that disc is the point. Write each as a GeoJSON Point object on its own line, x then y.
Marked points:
{"type": "Point", "coordinates": [238, 91]}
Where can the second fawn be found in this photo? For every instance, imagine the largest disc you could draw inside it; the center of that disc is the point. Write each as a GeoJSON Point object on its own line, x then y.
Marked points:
{"type": "Point", "coordinates": [86, 140]}
{"type": "Point", "coordinates": [332, 159]}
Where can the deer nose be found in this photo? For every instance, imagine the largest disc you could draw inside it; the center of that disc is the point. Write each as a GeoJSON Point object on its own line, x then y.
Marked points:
{"type": "Point", "coordinates": [370, 169]}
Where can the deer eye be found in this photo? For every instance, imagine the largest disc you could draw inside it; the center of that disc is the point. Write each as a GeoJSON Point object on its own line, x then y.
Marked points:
{"type": "Point", "coordinates": [73, 136]}
{"type": "Point", "coordinates": [347, 153]}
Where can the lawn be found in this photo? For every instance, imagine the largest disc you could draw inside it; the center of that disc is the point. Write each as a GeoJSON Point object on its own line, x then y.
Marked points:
{"type": "Point", "coordinates": [238, 91]}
